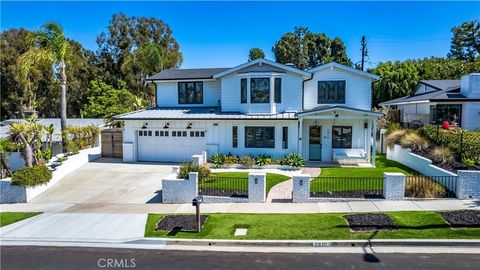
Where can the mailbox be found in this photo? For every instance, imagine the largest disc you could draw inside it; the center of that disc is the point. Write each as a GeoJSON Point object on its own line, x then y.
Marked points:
{"type": "Point", "coordinates": [197, 201]}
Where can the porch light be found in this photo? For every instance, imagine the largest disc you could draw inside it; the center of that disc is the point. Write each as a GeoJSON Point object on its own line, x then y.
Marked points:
{"type": "Point", "coordinates": [189, 126]}
{"type": "Point", "coordinates": [365, 124]}
{"type": "Point", "coordinates": [167, 125]}
{"type": "Point", "coordinates": [145, 125]}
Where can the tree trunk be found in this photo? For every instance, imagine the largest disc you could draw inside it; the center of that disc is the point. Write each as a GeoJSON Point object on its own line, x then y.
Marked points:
{"type": "Point", "coordinates": [63, 106]}
{"type": "Point", "coordinates": [4, 163]}
{"type": "Point", "coordinates": [28, 151]}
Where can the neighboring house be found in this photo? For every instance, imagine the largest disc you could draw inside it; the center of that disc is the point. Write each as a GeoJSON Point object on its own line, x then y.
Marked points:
{"type": "Point", "coordinates": [259, 107]}
{"type": "Point", "coordinates": [435, 101]}
{"type": "Point", "coordinates": [16, 161]}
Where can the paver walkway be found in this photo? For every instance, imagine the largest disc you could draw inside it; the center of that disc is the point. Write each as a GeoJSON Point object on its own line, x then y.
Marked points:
{"type": "Point", "coordinates": [312, 171]}
{"type": "Point", "coordinates": [281, 192]}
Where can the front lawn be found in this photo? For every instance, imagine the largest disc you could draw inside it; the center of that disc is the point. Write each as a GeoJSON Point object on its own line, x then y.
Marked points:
{"type": "Point", "coordinates": [7, 218]}
{"type": "Point", "coordinates": [242, 182]}
{"type": "Point", "coordinates": [411, 225]}
{"type": "Point", "coordinates": [382, 165]}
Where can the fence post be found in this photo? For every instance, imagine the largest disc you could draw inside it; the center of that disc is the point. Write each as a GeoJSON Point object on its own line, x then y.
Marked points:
{"type": "Point", "coordinates": [193, 176]}
{"type": "Point", "coordinates": [468, 185]}
{"type": "Point", "coordinates": [257, 187]}
{"type": "Point", "coordinates": [301, 188]}
{"type": "Point", "coordinates": [393, 186]}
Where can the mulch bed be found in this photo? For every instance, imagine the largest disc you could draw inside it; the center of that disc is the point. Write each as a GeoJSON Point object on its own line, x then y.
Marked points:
{"type": "Point", "coordinates": [370, 222]}
{"type": "Point", "coordinates": [349, 194]}
{"type": "Point", "coordinates": [186, 223]}
{"type": "Point", "coordinates": [462, 218]}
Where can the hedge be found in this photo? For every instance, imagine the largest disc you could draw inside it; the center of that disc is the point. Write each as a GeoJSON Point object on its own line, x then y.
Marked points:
{"type": "Point", "coordinates": [31, 177]}
{"type": "Point", "coordinates": [465, 146]}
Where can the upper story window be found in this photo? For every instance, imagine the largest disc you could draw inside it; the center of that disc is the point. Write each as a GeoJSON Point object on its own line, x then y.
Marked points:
{"type": "Point", "coordinates": [243, 90]}
{"type": "Point", "coordinates": [331, 92]}
{"type": "Point", "coordinates": [260, 90]}
{"type": "Point", "coordinates": [190, 93]}
{"type": "Point", "coordinates": [278, 90]}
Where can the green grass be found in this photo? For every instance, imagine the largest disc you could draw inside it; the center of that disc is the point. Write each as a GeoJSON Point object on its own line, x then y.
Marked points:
{"type": "Point", "coordinates": [345, 184]}
{"type": "Point", "coordinates": [382, 165]}
{"type": "Point", "coordinates": [242, 182]}
{"type": "Point", "coordinates": [412, 225]}
{"type": "Point", "coordinates": [7, 218]}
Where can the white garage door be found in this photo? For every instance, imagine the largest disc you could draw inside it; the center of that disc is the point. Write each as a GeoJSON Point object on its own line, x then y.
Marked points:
{"type": "Point", "coordinates": [170, 145]}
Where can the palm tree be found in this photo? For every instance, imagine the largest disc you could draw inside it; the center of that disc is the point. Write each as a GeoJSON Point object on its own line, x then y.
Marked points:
{"type": "Point", "coordinates": [49, 46]}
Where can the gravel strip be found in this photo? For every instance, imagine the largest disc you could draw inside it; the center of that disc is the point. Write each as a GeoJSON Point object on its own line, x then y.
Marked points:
{"type": "Point", "coordinates": [462, 218]}
{"type": "Point", "coordinates": [186, 223]}
{"type": "Point", "coordinates": [370, 222]}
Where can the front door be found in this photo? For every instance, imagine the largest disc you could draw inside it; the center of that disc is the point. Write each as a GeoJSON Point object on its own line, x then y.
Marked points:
{"type": "Point", "coordinates": [315, 143]}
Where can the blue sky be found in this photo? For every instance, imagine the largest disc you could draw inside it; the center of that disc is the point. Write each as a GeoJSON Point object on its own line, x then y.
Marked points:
{"type": "Point", "coordinates": [219, 34]}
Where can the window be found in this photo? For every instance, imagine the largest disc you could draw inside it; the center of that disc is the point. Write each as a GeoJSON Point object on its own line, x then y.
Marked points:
{"type": "Point", "coordinates": [190, 93]}
{"type": "Point", "coordinates": [202, 133]}
{"type": "Point", "coordinates": [157, 133]}
{"type": "Point", "coordinates": [234, 136]}
{"type": "Point", "coordinates": [452, 113]}
{"type": "Point", "coordinates": [140, 133]}
{"type": "Point", "coordinates": [260, 90]}
{"type": "Point", "coordinates": [243, 90]}
{"type": "Point", "coordinates": [174, 134]}
{"type": "Point", "coordinates": [278, 90]}
{"type": "Point", "coordinates": [341, 137]}
{"type": "Point", "coordinates": [259, 137]}
{"type": "Point", "coordinates": [192, 133]}
{"type": "Point", "coordinates": [285, 137]}
{"type": "Point", "coordinates": [331, 92]}
{"type": "Point", "coordinates": [161, 133]}
{"type": "Point", "coordinates": [184, 134]}
{"type": "Point", "coordinates": [166, 133]}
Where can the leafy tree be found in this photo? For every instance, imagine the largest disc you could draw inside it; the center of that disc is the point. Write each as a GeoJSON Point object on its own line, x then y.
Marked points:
{"type": "Point", "coordinates": [28, 138]}
{"type": "Point", "coordinates": [105, 101]}
{"type": "Point", "coordinates": [307, 50]}
{"type": "Point", "coordinates": [50, 47]}
{"type": "Point", "coordinates": [465, 43]}
{"type": "Point", "coordinates": [255, 53]}
{"type": "Point", "coordinates": [131, 39]}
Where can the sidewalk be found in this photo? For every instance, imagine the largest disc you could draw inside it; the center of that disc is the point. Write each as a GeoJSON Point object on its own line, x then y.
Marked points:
{"type": "Point", "coordinates": [319, 207]}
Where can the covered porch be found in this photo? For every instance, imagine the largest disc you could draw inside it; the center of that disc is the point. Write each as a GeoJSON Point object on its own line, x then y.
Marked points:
{"type": "Point", "coordinates": [337, 135]}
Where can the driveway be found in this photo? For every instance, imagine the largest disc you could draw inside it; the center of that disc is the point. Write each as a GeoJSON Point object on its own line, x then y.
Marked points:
{"type": "Point", "coordinates": [109, 181]}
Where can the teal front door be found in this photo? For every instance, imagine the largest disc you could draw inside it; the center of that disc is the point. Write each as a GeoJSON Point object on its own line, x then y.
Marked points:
{"type": "Point", "coordinates": [315, 143]}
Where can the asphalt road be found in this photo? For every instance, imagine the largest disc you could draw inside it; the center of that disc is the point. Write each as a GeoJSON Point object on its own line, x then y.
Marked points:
{"type": "Point", "coordinates": [104, 258]}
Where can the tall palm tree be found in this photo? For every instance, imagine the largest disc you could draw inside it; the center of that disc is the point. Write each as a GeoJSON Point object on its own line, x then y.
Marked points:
{"type": "Point", "coordinates": [49, 46]}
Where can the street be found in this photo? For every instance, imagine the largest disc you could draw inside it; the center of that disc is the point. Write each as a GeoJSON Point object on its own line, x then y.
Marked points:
{"type": "Point", "coordinates": [15, 257]}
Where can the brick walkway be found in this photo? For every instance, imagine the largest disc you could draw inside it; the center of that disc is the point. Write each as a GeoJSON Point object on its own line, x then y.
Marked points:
{"type": "Point", "coordinates": [281, 193]}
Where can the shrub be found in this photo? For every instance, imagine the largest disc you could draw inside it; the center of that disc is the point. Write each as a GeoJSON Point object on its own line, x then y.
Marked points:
{"type": "Point", "coordinates": [230, 160]}
{"type": "Point", "coordinates": [247, 161]}
{"type": "Point", "coordinates": [263, 160]}
{"type": "Point", "coordinates": [395, 137]}
{"type": "Point", "coordinates": [392, 127]}
{"type": "Point", "coordinates": [218, 160]}
{"type": "Point", "coordinates": [469, 163]}
{"type": "Point", "coordinates": [293, 159]}
{"type": "Point", "coordinates": [414, 141]}
{"type": "Point", "coordinates": [79, 138]}
{"type": "Point", "coordinates": [442, 154]}
{"type": "Point", "coordinates": [424, 187]}
{"type": "Point", "coordinates": [31, 177]}
{"type": "Point", "coordinates": [186, 168]}
{"type": "Point", "coordinates": [466, 149]}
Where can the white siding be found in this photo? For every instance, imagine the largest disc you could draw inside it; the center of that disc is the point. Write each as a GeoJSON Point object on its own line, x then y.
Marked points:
{"type": "Point", "coordinates": [470, 85]}
{"type": "Point", "coordinates": [167, 94]}
{"type": "Point", "coordinates": [219, 135]}
{"type": "Point", "coordinates": [358, 93]}
{"type": "Point", "coordinates": [471, 115]}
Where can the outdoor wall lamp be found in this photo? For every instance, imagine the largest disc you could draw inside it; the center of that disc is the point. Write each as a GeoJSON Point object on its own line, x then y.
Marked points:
{"type": "Point", "coordinates": [301, 182]}
{"type": "Point", "coordinates": [167, 125]}
{"type": "Point", "coordinates": [256, 180]}
{"type": "Point", "coordinates": [189, 126]}
{"type": "Point", "coordinates": [365, 124]}
{"type": "Point", "coordinates": [145, 125]}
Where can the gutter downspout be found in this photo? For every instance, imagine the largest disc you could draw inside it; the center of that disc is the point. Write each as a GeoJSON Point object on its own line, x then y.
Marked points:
{"type": "Point", "coordinates": [299, 124]}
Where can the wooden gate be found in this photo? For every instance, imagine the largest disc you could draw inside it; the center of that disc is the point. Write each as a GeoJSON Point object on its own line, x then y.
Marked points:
{"type": "Point", "coordinates": [112, 140]}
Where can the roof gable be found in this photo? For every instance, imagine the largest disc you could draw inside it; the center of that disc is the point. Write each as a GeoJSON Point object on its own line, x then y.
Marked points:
{"type": "Point", "coordinates": [346, 68]}
{"type": "Point", "coordinates": [261, 61]}
{"type": "Point", "coordinates": [186, 74]}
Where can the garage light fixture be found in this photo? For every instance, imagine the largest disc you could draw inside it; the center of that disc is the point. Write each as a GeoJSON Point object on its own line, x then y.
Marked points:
{"type": "Point", "coordinates": [189, 126]}
{"type": "Point", "coordinates": [145, 125]}
{"type": "Point", "coordinates": [167, 125]}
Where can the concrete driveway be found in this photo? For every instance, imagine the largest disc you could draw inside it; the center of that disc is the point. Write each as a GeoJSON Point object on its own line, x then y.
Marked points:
{"type": "Point", "coordinates": [109, 181]}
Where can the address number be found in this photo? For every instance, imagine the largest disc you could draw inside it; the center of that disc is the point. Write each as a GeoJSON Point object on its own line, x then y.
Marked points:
{"type": "Point", "coordinates": [322, 244]}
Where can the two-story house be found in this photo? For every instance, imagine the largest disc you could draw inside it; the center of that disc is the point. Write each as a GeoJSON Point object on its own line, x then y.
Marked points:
{"type": "Point", "coordinates": [259, 107]}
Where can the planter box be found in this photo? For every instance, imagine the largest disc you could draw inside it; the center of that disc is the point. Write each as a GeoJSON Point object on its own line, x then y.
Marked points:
{"type": "Point", "coordinates": [416, 162]}
{"type": "Point", "coordinates": [15, 194]}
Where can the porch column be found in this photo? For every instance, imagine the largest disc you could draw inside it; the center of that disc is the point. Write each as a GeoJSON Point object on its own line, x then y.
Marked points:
{"type": "Point", "coordinates": [374, 143]}
{"type": "Point", "coordinates": [300, 139]}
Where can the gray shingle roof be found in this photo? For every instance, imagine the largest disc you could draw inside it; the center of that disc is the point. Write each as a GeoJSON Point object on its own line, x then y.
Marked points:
{"type": "Point", "coordinates": [186, 74]}
{"type": "Point", "coordinates": [442, 84]}
{"type": "Point", "coordinates": [199, 113]}
{"type": "Point", "coordinates": [432, 96]}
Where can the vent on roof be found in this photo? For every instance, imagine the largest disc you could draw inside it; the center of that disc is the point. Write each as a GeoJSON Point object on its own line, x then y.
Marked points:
{"type": "Point", "coordinates": [290, 65]}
